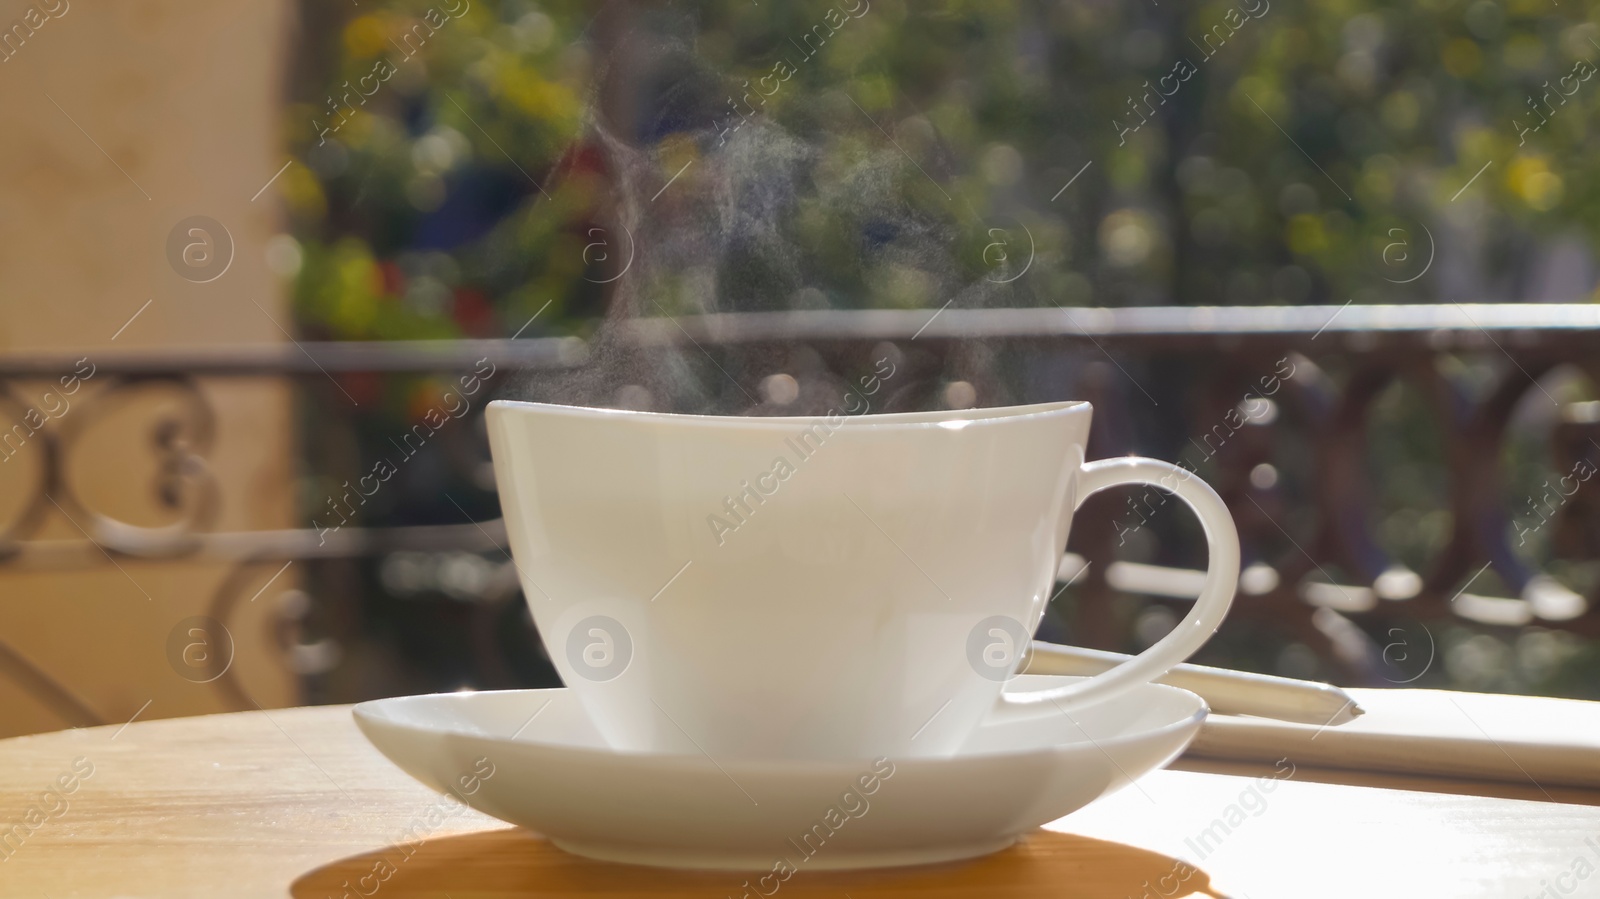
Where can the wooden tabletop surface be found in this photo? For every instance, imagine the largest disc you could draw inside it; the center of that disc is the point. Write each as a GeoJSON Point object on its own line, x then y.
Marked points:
{"type": "Point", "coordinates": [295, 802]}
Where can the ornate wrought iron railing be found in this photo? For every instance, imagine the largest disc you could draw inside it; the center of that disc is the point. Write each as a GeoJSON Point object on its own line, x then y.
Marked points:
{"type": "Point", "coordinates": [1239, 392]}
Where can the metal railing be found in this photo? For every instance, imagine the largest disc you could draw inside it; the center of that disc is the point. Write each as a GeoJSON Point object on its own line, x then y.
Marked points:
{"type": "Point", "coordinates": [1153, 373]}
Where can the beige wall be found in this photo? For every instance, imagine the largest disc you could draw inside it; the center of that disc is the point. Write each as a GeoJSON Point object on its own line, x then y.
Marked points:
{"type": "Point", "coordinates": [120, 120]}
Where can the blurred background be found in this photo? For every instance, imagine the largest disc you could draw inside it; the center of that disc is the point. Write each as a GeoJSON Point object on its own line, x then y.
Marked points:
{"type": "Point", "coordinates": [264, 263]}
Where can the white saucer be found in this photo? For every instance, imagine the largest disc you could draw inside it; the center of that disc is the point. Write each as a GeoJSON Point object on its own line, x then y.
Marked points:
{"type": "Point", "coordinates": [557, 777]}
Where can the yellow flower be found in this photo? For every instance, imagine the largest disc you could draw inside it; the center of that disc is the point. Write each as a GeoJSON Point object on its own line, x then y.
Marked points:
{"type": "Point", "coordinates": [345, 291]}
{"type": "Point", "coordinates": [364, 37]}
{"type": "Point", "coordinates": [541, 99]}
{"type": "Point", "coordinates": [302, 192]}
{"type": "Point", "coordinates": [1530, 178]}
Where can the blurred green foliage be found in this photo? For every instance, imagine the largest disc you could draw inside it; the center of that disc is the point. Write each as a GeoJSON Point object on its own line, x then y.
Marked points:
{"type": "Point", "coordinates": [1295, 139]}
{"type": "Point", "coordinates": [1154, 153]}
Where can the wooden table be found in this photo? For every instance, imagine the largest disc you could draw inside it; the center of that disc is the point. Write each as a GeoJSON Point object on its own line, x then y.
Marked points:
{"type": "Point", "coordinates": [295, 802]}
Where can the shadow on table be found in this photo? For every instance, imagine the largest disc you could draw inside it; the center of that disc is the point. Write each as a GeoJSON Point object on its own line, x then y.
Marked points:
{"type": "Point", "coordinates": [514, 862]}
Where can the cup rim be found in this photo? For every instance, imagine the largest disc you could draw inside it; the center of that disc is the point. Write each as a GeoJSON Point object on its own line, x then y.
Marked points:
{"type": "Point", "coordinates": [897, 420]}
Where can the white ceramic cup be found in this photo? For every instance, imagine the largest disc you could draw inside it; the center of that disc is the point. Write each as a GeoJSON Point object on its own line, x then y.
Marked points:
{"type": "Point", "coordinates": [821, 587]}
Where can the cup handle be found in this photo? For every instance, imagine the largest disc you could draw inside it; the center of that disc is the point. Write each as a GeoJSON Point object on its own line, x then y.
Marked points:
{"type": "Point", "coordinates": [1222, 578]}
